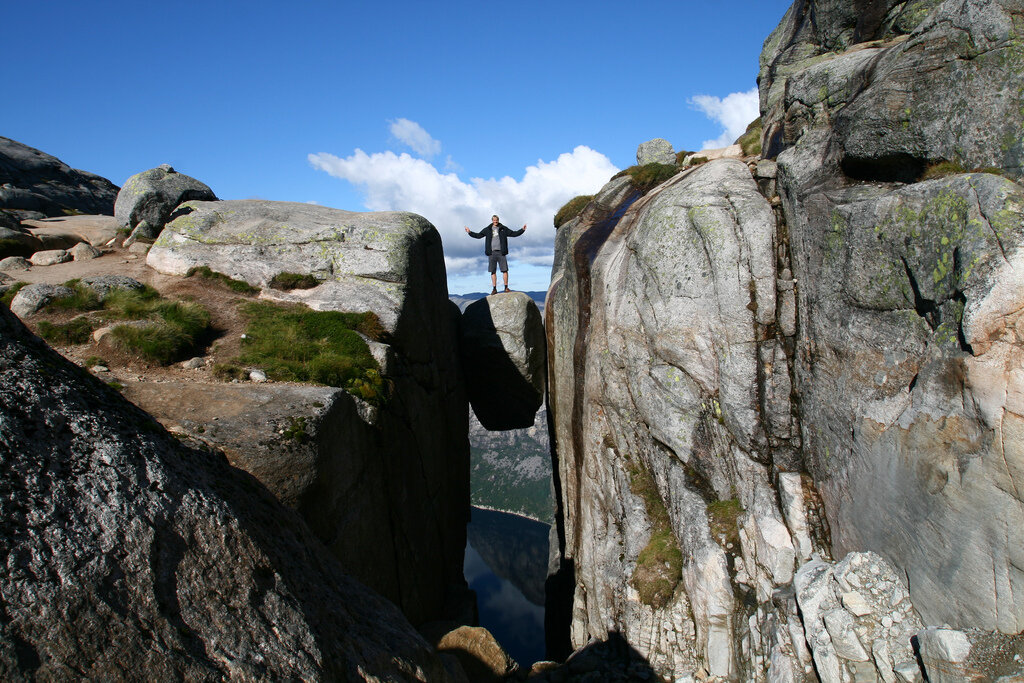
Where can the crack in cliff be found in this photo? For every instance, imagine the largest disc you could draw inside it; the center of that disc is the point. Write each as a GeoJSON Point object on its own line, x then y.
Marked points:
{"type": "Point", "coordinates": [926, 308]}
{"type": "Point", "coordinates": [985, 219]}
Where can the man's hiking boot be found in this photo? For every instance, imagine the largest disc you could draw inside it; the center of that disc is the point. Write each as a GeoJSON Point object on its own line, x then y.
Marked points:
{"type": "Point", "coordinates": [507, 289]}
{"type": "Point", "coordinates": [494, 290]}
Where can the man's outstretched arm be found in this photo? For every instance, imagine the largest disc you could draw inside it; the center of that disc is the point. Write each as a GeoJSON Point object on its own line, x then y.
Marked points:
{"type": "Point", "coordinates": [517, 233]}
{"type": "Point", "coordinates": [476, 235]}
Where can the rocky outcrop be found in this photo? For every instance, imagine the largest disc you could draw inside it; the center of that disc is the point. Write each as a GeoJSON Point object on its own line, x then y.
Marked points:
{"type": "Point", "coordinates": [502, 348]}
{"type": "Point", "coordinates": [34, 183]}
{"type": "Point", "coordinates": [147, 200]}
{"type": "Point", "coordinates": [385, 487]}
{"type": "Point", "coordinates": [656, 151]}
{"type": "Point", "coordinates": [129, 552]}
{"type": "Point", "coordinates": [757, 368]}
{"type": "Point", "coordinates": [908, 292]}
{"type": "Point", "coordinates": [31, 298]}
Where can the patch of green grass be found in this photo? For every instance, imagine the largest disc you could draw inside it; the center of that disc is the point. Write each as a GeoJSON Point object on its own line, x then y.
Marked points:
{"type": "Point", "coordinates": [298, 344]}
{"type": "Point", "coordinates": [723, 518]}
{"type": "Point", "coordinates": [697, 161]}
{"type": "Point", "coordinates": [750, 141]}
{"type": "Point", "coordinates": [296, 430]}
{"type": "Point", "coordinates": [645, 178]}
{"type": "Point", "coordinates": [78, 331]}
{"type": "Point", "coordinates": [288, 281]}
{"type": "Point", "coordinates": [8, 296]}
{"type": "Point", "coordinates": [229, 371]}
{"type": "Point", "coordinates": [93, 361]}
{"type": "Point", "coordinates": [681, 156]}
{"type": "Point", "coordinates": [131, 304]}
{"type": "Point", "coordinates": [82, 299]}
{"type": "Point", "coordinates": [659, 565]}
{"type": "Point", "coordinates": [571, 209]}
{"type": "Point", "coordinates": [175, 329]}
{"type": "Point", "coordinates": [229, 282]}
{"type": "Point", "coordinates": [13, 247]}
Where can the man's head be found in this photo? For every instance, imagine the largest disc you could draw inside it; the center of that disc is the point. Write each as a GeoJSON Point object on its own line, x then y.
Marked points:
{"type": "Point", "coordinates": [494, 219]}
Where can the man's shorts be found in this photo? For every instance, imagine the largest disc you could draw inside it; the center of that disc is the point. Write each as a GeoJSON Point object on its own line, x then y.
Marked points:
{"type": "Point", "coordinates": [497, 260]}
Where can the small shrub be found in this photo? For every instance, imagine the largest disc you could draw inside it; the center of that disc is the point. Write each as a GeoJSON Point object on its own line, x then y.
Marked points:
{"type": "Point", "coordinates": [229, 282]}
{"type": "Point", "coordinates": [8, 296]}
{"type": "Point", "coordinates": [296, 430]}
{"type": "Point", "coordinates": [571, 209]}
{"type": "Point", "coordinates": [942, 169]}
{"type": "Point", "coordinates": [78, 331]}
{"type": "Point", "coordinates": [750, 141]}
{"type": "Point", "coordinates": [681, 156]}
{"type": "Point", "coordinates": [647, 177]}
{"type": "Point", "coordinates": [289, 281]}
{"type": "Point", "coordinates": [13, 247]}
{"type": "Point", "coordinates": [697, 161]}
{"type": "Point", "coordinates": [93, 361]}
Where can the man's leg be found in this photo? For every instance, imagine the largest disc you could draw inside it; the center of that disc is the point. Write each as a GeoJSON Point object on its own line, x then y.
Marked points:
{"type": "Point", "coordinates": [504, 277]}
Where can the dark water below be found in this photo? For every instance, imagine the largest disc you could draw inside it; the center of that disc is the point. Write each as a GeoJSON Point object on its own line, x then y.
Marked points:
{"type": "Point", "coordinates": [506, 564]}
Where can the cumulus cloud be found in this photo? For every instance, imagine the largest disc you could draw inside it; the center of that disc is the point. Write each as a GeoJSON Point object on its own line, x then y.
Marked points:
{"type": "Point", "coordinates": [414, 136]}
{"type": "Point", "coordinates": [401, 182]}
{"type": "Point", "coordinates": [734, 112]}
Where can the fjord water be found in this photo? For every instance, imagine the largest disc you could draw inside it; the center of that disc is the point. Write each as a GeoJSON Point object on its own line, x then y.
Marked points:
{"type": "Point", "coordinates": [506, 564]}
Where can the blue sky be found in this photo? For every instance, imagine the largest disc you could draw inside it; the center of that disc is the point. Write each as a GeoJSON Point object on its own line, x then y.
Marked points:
{"type": "Point", "coordinates": [455, 111]}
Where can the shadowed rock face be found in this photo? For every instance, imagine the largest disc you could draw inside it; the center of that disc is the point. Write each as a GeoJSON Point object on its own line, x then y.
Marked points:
{"type": "Point", "coordinates": [503, 358]}
{"type": "Point", "coordinates": [385, 488]}
{"type": "Point", "coordinates": [32, 182]}
{"type": "Point", "coordinates": [126, 551]}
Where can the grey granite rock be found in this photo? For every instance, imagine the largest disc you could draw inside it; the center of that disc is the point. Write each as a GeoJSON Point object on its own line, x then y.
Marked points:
{"type": "Point", "coordinates": [503, 356]}
{"type": "Point", "coordinates": [31, 298]}
{"type": "Point", "coordinates": [147, 199]}
{"type": "Point", "coordinates": [104, 284]}
{"type": "Point", "coordinates": [83, 252]}
{"type": "Point", "coordinates": [658, 150]}
{"type": "Point", "coordinates": [139, 555]}
{"type": "Point", "coordinates": [33, 181]}
{"type": "Point", "coordinates": [15, 263]}
{"type": "Point", "coordinates": [414, 446]}
{"type": "Point", "coordinates": [49, 257]}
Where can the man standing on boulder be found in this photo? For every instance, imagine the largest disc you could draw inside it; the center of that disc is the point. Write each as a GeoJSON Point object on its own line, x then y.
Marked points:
{"type": "Point", "coordinates": [496, 247]}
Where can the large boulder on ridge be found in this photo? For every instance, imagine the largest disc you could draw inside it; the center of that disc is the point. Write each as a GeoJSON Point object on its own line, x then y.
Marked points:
{"type": "Point", "coordinates": [147, 199]}
{"type": "Point", "coordinates": [129, 553]}
{"type": "Point", "coordinates": [33, 182]}
{"type": "Point", "coordinates": [503, 357]}
{"type": "Point", "coordinates": [656, 151]}
{"type": "Point", "coordinates": [360, 460]}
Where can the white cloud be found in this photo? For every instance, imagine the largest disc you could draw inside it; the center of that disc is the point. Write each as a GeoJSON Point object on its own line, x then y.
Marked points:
{"type": "Point", "coordinates": [413, 135]}
{"type": "Point", "coordinates": [734, 112]}
{"type": "Point", "coordinates": [400, 182]}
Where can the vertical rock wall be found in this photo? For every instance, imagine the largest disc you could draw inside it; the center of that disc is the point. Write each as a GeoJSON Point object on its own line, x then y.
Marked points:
{"type": "Point", "coordinates": [755, 374]}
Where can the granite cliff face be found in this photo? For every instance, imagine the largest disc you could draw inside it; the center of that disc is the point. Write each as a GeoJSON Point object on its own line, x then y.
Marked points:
{"type": "Point", "coordinates": [386, 487]}
{"type": "Point", "coordinates": [759, 369]}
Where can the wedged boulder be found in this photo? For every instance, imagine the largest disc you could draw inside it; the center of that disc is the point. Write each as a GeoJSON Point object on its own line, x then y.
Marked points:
{"type": "Point", "coordinates": [31, 298]}
{"type": "Point", "coordinates": [413, 447]}
{"type": "Point", "coordinates": [857, 617]}
{"type": "Point", "coordinates": [480, 655]}
{"type": "Point", "coordinates": [656, 151]}
{"type": "Point", "coordinates": [503, 355]}
{"type": "Point", "coordinates": [140, 554]}
{"type": "Point", "coordinates": [33, 181]}
{"type": "Point", "coordinates": [147, 199]}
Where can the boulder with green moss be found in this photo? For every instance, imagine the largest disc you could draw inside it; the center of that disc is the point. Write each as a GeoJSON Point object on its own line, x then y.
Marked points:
{"type": "Point", "coordinates": [147, 200]}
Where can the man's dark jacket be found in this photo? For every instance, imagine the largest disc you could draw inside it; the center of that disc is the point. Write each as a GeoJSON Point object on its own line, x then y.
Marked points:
{"type": "Point", "coordinates": [503, 235]}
